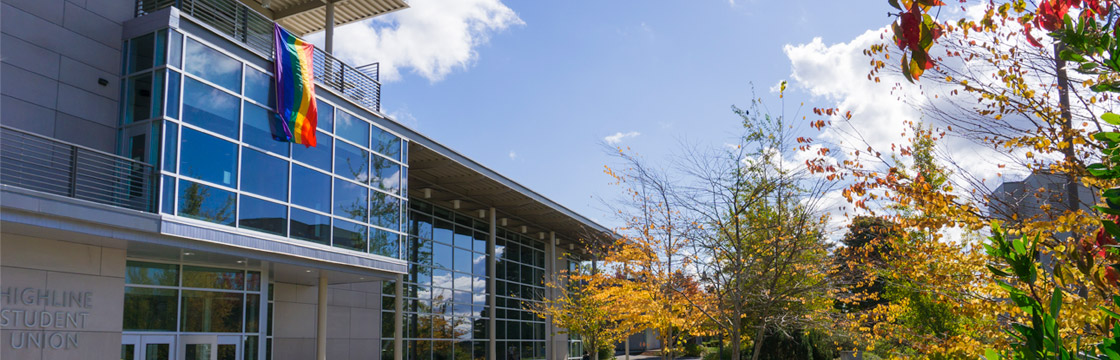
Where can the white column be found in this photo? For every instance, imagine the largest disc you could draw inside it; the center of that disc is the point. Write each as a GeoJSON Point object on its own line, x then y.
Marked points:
{"type": "Point", "coordinates": [491, 285]}
{"type": "Point", "coordinates": [321, 326]}
{"type": "Point", "coordinates": [398, 319]}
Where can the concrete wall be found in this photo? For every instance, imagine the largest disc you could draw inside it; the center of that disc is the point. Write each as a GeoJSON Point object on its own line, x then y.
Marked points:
{"type": "Point", "coordinates": [353, 321]}
{"type": "Point", "coordinates": [54, 53]}
{"type": "Point", "coordinates": [57, 269]}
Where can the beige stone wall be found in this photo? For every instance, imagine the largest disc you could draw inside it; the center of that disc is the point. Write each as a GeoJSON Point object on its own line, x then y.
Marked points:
{"type": "Point", "coordinates": [353, 321]}
{"type": "Point", "coordinates": [81, 285]}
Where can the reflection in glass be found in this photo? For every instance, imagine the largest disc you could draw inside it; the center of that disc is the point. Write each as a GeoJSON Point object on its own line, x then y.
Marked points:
{"type": "Point", "coordinates": [318, 156]}
{"type": "Point", "coordinates": [259, 87]}
{"type": "Point", "coordinates": [206, 203]}
{"type": "Point", "coordinates": [157, 352]}
{"type": "Point", "coordinates": [325, 120]}
{"type": "Point", "coordinates": [310, 226]}
{"type": "Point", "coordinates": [168, 185]}
{"type": "Point", "coordinates": [264, 174]}
{"type": "Point", "coordinates": [208, 158]}
{"type": "Point", "coordinates": [227, 352]}
{"type": "Point", "coordinates": [422, 225]}
{"type": "Point", "coordinates": [173, 79]}
{"type": "Point", "coordinates": [349, 235]}
{"type": "Point", "coordinates": [384, 210]}
{"type": "Point", "coordinates": [170, 147]}
{"type": "Point", "coordinates": [197, 351]}
{"type": "Point", "coordinates": [253, 281]}
{"type": "Point", "coordinates": [386, 143]}
{"type": "Point", "coordinates": [351, 162]}
{"type": "Point", "coordinates": [150, 309]}
{"type": "Point", "coordinates": [258, 131]}
{"type": "Point", "coordinates": [350, 200]}
{"type": "Point", "coordinates": [386, 175]}
{"type": "Point", "coordinates": [147, 273]}
{"type": "Point", "coordinates": [443, 232]}
{"type": "Point", "coordinates": [212, 65]}
{"type": "Point", "coordinates": [263, 216]}
{"type": "Point", "coordinates": [464, 261]}
{"type": "Point", "coordinates": [464, 237]}
{"type": "Point", "coordinates": [250, 346]}
{"type": "Point", "coordinates": [213, 278]}
{"type": "Point", "coordinates": [384, 243]}
{"type": "Point", "coordinates": [210, 108]}
{"type": "Point", "coordinates": [351, 128]}
{"type": "Point", "coordinates": [311, 189]}
{"type": "Point", "coordinates": [140, 97]}
{"type": "Point", "coordinates": [211, 311]}
{"type": "Point", "coordinates": [176, 49]}
{"type": "Point", "coordinates": [441, 256]}
{"type": "Point", "coordinates": [252, 313]}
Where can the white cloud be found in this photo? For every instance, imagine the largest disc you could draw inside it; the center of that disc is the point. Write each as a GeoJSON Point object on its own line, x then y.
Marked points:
{"type": "Point", "coordinates": [619, 136]}
{"type": "Point", "coordinates": [512, 155]}
{"type": "Point", "coordinates": [431, 38]}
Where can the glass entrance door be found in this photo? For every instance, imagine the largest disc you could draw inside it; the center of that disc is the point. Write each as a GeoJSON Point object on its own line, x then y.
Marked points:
{"type": "Point", "coordinates": [147, 347]}
{"type": "Point", "coordinates": [210, 347]}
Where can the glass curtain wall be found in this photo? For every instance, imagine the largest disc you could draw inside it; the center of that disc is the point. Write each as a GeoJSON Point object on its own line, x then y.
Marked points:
{"type": "Point", "coordinates": [207, 115]}
{"type": "Point", "coordinates": [445, 289]}
{"type": "Point", "coordinates": [520, 281]}
{"type": "Point", "coordinates": [176, 299]}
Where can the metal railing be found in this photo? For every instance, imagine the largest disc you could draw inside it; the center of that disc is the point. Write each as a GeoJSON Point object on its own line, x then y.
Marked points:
{"type": "Point", "coordinates": [40, 163]}
{"type": "Point", "coordinates": [254, 31]}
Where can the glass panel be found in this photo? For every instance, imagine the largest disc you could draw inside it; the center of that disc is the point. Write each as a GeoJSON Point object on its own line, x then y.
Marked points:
{"type": "Point", "coordinates": [210, 108]}
{"type": "Point", "coordinates": [311, 188]}
{"type": "Point", "coordinates": [441, 254]}
{"type": "Point", "coordinates": [423, 225]}
{"type": "Point", "coordinates": [128, 352]}
{"type": "Point", "coordinates": [157, 352]}
{"type": "Point", "coordinates": [385, 210]}
{"type": "Point", "coordinates": [213, 278]}
{"type": "Point", "coordinates": [197, 352]}
{"type": "Point", "coordinates": [318, 156]}
{"type": "Point", "coordinates": [263, 216]}
{"type": "Point", "coordinates": [253, 281]}
{"type": "Point", "coordinates": [227, 352]}
{"type": "Point", "coordinates": [170, 147]}
{"type": "Point", "coordinates": [479, 264]}
{"type": "Point", "coordinates": [176, 49]}
{"type": "Point", "coordinates": [147, 273]}
{"type": "Point", "coordinates": [310, 226]}
{"type": "Point", "coordinates": [161, 48]}
{"type": "Point", "coordinates": [206, 203]}
{"type": "Point", "coordinates": [386, 143]}
{"type": "Point", "coordinates": [212, 65]}
{"type": "Point", "coordinates": [251, 349]}
{"type": "Point", "coordinates": [259, 87]}
{"type": "Point", "coordinates": [463, 260]}
{"type": "Point", "coordinates": [258, 130]}
{"type": "Point", "coordinates": [349, 235]}
{"type": "Point", "coordinates": [386, 175]}
{"type": "Point", "coordinates": [264, 174]}
{"type": "Point", "coordinates": [350, 200]}
{"type": "Point", "coordinates": [480, 239]}
{"type": "Point", "coordinates": [173, 94]}
{"type": "Point", "coordinates": [443, 232]}
{"type": "Point", "coordinates": [139, 98]}
{"type": "Point", "coordinates": [150, 309]}
{"type": "Point", "coordinates": [384, 243]}
{"type": "Point", "coordinates": [351, 162]}
{"type": "Point", "coordinates": [210, 311]}
{"type": "Point", "coordinates": [208, 158]}
{"type": "Point", "coordinates": [352, 128]}
{"type": "Point", "coordinates": [168, 195]}
{"type": "Point", "coordinates": [326, 116]}
{"type": "Point", "coordinates": [252, 313]}
{"type": "Point", "coordinates": [464, 237]}
{"type": "Point", "coordinates": [141, 53]}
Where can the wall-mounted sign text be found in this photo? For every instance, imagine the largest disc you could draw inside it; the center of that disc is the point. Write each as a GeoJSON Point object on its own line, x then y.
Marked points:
{"type": "Point", "coordinates": [44, 318]}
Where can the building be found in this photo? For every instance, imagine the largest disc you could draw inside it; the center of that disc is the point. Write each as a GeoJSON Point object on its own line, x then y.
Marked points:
{"type": "Point", "coordinates": [146, 213]}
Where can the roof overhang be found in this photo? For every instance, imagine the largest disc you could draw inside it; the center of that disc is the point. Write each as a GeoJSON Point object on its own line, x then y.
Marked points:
{"type": "Point", "coordinates": [303, 17]}
{"type": "Point", "coordinates": [442, 180]}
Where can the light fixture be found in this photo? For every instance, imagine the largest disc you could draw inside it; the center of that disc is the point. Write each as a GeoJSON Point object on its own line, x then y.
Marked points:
{"type": "Point", "coordinates": [505, 222]}
{"type": "Point", "coordinates": [524, 229]}
{"type": "Point", "coordinates": [188, 253]}
{"type": "Point", "coordinates": [307, 271]}
{"type": "Point", "coordinates": [427, 192]}
{"type": "Point", "coordinates": [455, 204]}
{"type": "Point", "coordinates": [540, 235]}
{"type": "Point", "coordinates": [240, 261]}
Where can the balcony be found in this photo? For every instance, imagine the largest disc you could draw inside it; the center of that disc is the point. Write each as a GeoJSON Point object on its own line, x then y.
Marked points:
{"type": "Point", "coordinates": [253, 30]}
{"type": "Point", "coordinates": [44, 164]}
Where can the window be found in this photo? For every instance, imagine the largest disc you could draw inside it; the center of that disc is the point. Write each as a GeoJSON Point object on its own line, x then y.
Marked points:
{"type": "Point", "coordinates": [258, 129]}
{"type": "Point", "coordinates": [213, 65]}
{"type": "Point", "coordinates": [318, 156]}
{"type": "Point", "coordinates": [210, 108]}
{"type": "Point", "coordinates": [310, 226]}
{"type": "Point", "coordinates": [350, 235]}
{"type": "Point", "coordinates": [385, 143]}
{"type": "Point", "coordinates": [261, 215]}
{"type": "Point", "coordinates": [351, 162]}
{"type": "Point", "coordinates": [259, 87]}
{"type": "Point", "coordinates": [311, 189]}
{"type": "Point", "coordinates": [264, 174]}
{"type": "Point", "coordinates": [386, 175]}
{"type": "Point", "coordinates": [352, 128]}
{"type": "Point", "coordinates": [350, 200]}
{"type": "Point", "coordinates": [208, 158]}
{"type": "Point", "coordinates": [325, 117]}
{"type": "Point", "coordinates": [206, 203]}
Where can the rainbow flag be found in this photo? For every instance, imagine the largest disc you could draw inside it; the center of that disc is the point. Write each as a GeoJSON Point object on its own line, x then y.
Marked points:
{"type": "Point", "coordinates": [295, 89]}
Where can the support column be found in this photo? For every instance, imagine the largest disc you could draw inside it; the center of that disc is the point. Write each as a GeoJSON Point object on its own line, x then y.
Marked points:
{"type": "Point", "coordinates": [550, 345]}
{"type": "Point", "coordinates": [321, 325]}
{"type": "Point", "coordinates": [398, 319]}
{"type": "Point", "coordinates": [491, 286]}
{"type": "Point", "coordinates": [329, 26]}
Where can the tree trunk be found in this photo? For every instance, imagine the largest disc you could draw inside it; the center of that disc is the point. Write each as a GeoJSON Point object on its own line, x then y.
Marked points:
{"type": "Point", "coordinates": [1073, 198]}
{"type": "Point", "coordinates": [736, 338]}
{"type": "Point", "coordinates": [758, 340]}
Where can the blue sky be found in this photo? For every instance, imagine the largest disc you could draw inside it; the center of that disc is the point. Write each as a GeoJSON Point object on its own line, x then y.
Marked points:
{"type": "Point", "coordinates": [542, 83]}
